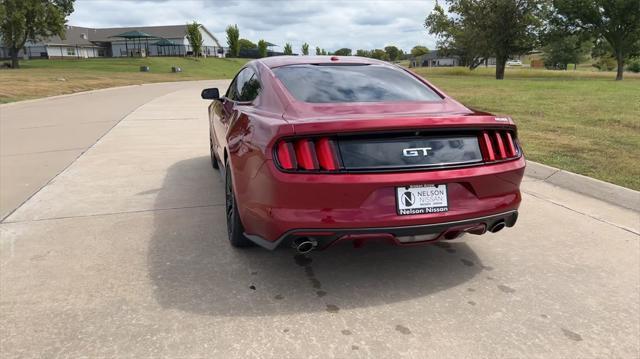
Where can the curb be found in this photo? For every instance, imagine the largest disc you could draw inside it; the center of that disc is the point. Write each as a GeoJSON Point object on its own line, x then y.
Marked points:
{"type": "Point", "coordinates": [591, 187]}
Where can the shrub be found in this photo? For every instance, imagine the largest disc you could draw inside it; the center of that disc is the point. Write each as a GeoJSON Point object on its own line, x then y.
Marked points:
{"type": "Point", "coordinates": [634, 66]}
{"type": "Point", "coordinates": [606, 64]}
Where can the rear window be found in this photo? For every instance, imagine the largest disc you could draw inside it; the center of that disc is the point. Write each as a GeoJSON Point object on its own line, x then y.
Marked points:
{"type": "Point", "coordinates": [352, 83]}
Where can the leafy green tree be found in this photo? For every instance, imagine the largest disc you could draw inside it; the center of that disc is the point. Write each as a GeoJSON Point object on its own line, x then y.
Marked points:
{"type": "Point", "coordinates": [563, 49]}
{"type": "Point", "coordinates": [233, 40]}
{"type": "Point", "coordinates": [288, 50]}
{"type": "Point", "coordinates": [477, 30]}
{"type": "Point", "coordinates": [419, 50]}
{"type": "Point", "coordinates": [363, 53]}
{"type": "Point", "coordinates": [343, 52]}
{"type": "Point", "coordinates": [618, 22]}
{"type": "Point", "coordinates": [323, 52]}
{"type": "Point", "coordinates": [392, 52]}
{"type": "Point", "coordinates": [318, 51]}
{"type": "Point", "coordinates": [31, 20]}
{"type": "Point", "coordinates": [195, 38]}
{"type": "Point", "coordinates": [379, 54]}
{"type": "Point", "coordinates": [262, 48]}
{"type": "Point", "coordinates": [305, 49]}
{"type": "Point", "coordinates": [246, 44]}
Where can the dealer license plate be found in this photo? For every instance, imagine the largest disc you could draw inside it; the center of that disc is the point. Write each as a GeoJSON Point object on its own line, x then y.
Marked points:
{"type": "Point", "coordinates": [421, 199]}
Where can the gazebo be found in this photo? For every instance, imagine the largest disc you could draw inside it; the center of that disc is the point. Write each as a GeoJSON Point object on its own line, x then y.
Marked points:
{"type": "Point", "coordinates": [167, 47]}
{"type": "Point", "coordinates": [133, 36]}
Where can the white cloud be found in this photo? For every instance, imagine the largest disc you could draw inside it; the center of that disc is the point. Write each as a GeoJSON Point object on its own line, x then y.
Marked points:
{"type": "Point", "coordinates": [356, 24]}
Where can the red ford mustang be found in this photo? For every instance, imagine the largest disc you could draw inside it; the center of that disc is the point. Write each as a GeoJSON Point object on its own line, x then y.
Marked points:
{"type": "Point", "coordinates": [317, 150]}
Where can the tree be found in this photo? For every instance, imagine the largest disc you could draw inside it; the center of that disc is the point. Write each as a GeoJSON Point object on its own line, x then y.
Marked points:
{"type": "Point", "coordinates": [195, 38]}
{"type": "Point", "coordinates": [288, 50]}
{"type": "Point", "coordinates": [562, 50]}
{"type": "Point", "coordinates": [343, 52]}
{"type": "Point", "coordinates": [618, 22]}
{"type": "Point", "coordinates": [31, 20]}
{"type": "Point", "coordinates": [477, 30]}
{"type": "Point", "coordinates": [393, 52]}
{"type": "Point", "coordinates": [262, 48]}
{"type": "Point", "coordinates": [379, 54]}
{"type": "Point", "coordinates": [323, 52]}
{"type": "Point", "coordinates": [419, 50]}
{"type": "Point", "coordinates": [305, 49]}
{"type": "Point", "coordinates": [233, 40]}
{"type": "Point", "coordinates": [246, 44]}
{"type": "Point", "coordinates": [318, 51]}
{"type": "Point", "coordinates": [363, 53]}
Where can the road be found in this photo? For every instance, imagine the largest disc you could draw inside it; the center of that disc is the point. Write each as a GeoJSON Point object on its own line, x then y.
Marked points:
{"type": "Point", "coordinates": [125, 254]}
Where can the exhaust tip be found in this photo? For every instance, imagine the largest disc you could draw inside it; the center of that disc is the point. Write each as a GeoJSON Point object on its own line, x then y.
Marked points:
{"type": "Point", "coordinates": [304, 245]}
{"type": "Point", "coordinates": [497, 227]}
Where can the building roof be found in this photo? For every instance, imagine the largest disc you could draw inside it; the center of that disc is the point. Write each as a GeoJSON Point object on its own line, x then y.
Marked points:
{"type": "Point", "coordinates": [166, 32]}
{"type": "Point", "coordinates": [75, 35]}
{"type": "Point", "coordinates": [434, 54]}
{"type": "Point", "coordinates": [134, 35]}
{"type": "Point", "coordinates": [85, 36]}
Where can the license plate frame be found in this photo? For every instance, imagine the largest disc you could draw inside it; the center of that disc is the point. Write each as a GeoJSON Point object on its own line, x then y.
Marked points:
{"type": "Point", "coordinates": [422, 199]}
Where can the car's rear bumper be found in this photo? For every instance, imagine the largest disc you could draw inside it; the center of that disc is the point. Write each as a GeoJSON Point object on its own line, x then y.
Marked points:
{"type": "Point", "coordinates": [276, 207]}
{"type": "Point", "coordinates": [395, 235]}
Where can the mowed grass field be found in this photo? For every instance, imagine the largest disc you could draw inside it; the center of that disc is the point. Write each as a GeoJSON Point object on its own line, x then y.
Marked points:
{"type": "Point", "coordinates": [580, 121]}
{"type": "Point", "coordinates": [583, 122]}
{"type": "Point", "coordinates": [41, 78]}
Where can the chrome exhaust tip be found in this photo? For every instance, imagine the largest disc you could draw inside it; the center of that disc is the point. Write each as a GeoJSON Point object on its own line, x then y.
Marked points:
{"type": "Point", "coordinates": [497, 227]}
{"type": "Point", "coordinates": [305, 245]}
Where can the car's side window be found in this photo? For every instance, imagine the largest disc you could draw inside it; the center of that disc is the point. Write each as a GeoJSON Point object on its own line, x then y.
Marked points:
{"type": "Point", "coordinates": [250, 89]}
{"type": "Point", "coordinates": [245, 87]}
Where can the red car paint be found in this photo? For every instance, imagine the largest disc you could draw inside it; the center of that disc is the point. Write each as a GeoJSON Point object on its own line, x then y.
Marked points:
{"type": "Point", "coordinates": [277, 206]}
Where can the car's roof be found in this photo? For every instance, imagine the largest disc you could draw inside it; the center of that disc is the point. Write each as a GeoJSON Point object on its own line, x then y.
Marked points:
{"type": "Point", "coordinates": [277, 61]}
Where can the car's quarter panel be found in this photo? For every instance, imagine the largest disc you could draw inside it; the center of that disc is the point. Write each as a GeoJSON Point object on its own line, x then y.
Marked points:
{"type": "Point", "coordinates": [249, 142]}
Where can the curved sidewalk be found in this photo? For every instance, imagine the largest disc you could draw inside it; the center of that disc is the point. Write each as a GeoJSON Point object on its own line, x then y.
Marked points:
{"type": "Point", "coordinates": [40, 138]}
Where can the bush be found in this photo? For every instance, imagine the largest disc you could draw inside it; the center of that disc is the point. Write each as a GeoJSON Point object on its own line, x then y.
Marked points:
{"type": "Point", "coordinates": [634, 66]}
{"type": "Point", "coordinates": [606, 64]}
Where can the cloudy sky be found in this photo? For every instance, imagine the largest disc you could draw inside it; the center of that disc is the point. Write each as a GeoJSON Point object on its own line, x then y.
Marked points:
{"type": "Point", "coordinates": [356, 24]}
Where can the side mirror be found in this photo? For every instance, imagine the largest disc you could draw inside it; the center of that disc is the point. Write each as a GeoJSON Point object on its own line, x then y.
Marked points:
{"type": "Point", "coordinates": [210, 94]}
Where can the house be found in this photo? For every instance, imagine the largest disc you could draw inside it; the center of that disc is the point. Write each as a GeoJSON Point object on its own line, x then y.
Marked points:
{"type": "Point", "coordinates": [433, 59]}
{"type": "Point", "coordinates": [85, 42]}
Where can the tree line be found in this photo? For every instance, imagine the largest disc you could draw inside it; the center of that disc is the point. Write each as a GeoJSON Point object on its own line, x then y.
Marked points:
{"type": "Point", "coordinates": [389, 53]}
{"type": "Point", "coordinates": [565, 29]}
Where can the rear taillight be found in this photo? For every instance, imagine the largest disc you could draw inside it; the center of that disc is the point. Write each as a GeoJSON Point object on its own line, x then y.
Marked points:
{"type": "Point", "coordinates": [308, 154]}
{"type": "Point", "coordinates": [498, 145]}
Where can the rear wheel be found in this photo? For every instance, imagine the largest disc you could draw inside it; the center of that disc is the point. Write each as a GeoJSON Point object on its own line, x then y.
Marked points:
{"type": "Point", "coordinates": [214, 159]}
{"type": "Point", "coordinates": [235, 230]}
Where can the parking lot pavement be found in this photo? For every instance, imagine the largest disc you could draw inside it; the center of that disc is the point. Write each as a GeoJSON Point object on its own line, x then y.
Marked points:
{"type": "Point", "coordinates": [125, 254]}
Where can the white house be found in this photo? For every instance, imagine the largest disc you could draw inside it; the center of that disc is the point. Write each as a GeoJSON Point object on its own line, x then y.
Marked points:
{"type": "Point", "coordinates": [84, 42]}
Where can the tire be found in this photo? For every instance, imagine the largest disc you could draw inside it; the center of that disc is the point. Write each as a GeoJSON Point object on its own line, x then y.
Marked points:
{"type": "Point", "coordinates": [235, 230]}
{"type": "Point", "coordinates": [214, 158]}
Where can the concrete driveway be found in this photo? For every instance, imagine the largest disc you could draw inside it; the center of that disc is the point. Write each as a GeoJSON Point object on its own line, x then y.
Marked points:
{"type": "Point", "coordinates": [125, 254]}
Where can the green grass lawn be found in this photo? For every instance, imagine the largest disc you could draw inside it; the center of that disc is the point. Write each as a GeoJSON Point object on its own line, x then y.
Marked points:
{"type": "Point", "coordinates": [584, 122]}
{"type": "Point", "coordinates": [200, 68]}
{"type": "Point", "coordinates": [40, 78]}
